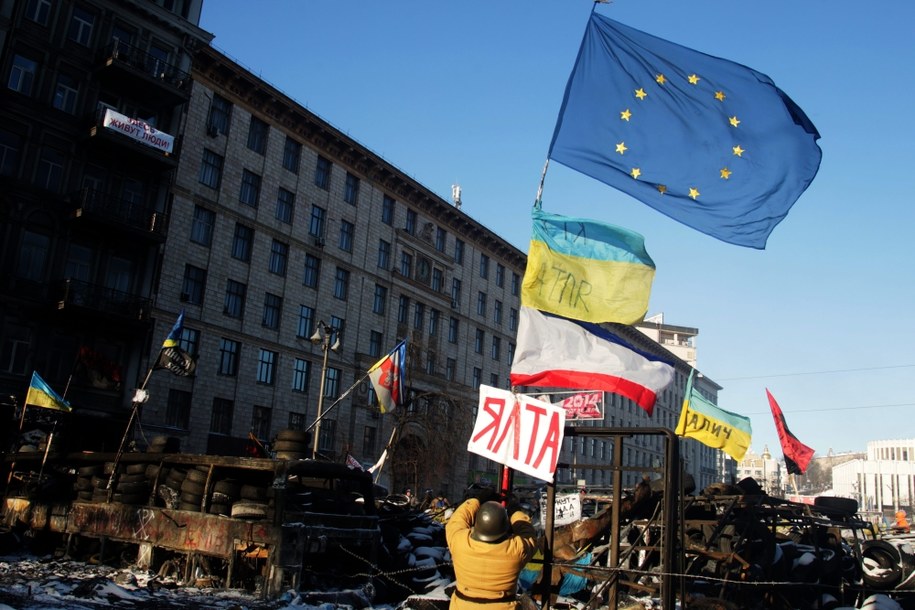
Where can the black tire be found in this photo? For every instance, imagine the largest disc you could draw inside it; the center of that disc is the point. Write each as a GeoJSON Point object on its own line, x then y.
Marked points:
{"type": "Point", "coordinates": [299, 436]}
{"type": "Point", "coordinates": [881, 563]}
{"type": "Point", "coordinates": [253, 492]}
{"type": "Point", "coordinates": [228, 487]}
{"type": "Point", "coordinates": [83, 483]}
{"type": "Point", "coordinates": [845, 506]}
{"type": "Point", "coordinates": [85, 496]}
{"type": "Point", "coordinates": [291, 455]}
{"type": "Point", "coordinates": [194, 499]}
{"type": "Point", "coordinates": [194, 508]}
{"type": "Point", "coordinates": [289, 446]}
{"type": "Point", "coordinates": [197, 475]}
{"type": "Point", "coordinates": [135, 469]}
{"type": "Point", "coordinates": [136, 487]}
{"type": "Point", "coordinates": [89, 471]}
{"type": "Point", "coordinates": [193, 487]}
{"type": "Point", "coordinates": [249, 510]}
{"type": "Point", "coordinates": [220, 509]}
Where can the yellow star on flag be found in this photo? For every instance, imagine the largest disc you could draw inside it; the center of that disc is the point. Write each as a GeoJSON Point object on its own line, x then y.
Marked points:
{"type": "Point", "coordinates": [625, 114]}
{"type": "Point", "coordinates": [693, 193]}
{"type": "Point", "coordinates": [635, 173]}
{"type": "Point", "coordinates": [693, 79]}
{"type": "Point", "coordinates": [640, 93]}
{"type": "Point", "coordinates": [734, 121]}
{"type": "Point", "coordinates": [738, 151]}
{"type": "Point", "coordinates": [719, 95]}
{"type": "Point", "coordinates": [621, 148]}
{"type": "Point", "coordinates": [661, 79]}
{"type": "Point", "coordinates": [725, 173]}
{"type": "Point", "coordinates": [662, 189]}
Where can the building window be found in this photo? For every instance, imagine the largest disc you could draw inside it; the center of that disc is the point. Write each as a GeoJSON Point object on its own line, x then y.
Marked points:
{"type": "Point", "coordinates": [494, 380]}
{"type": "Point", "coordinates": [406, 264]}
{"type": "Point", "coordinates": [347, 235]}
{"type": "Point", "coordinates": [484, 266]}
{"type": "Point", "coordinates": [210, 169]}
{"type": "Point", "coordinates": [296, 421]}
{"type": "Point", "coordinates": [301, 373]}
{"type": "Point", "coordinates": [190, 341]}
{"type": "Point", "coordinates": [34, 250]}
{"type": "Point", "coordinates": [481, 304]}
{"type": "Point", "coordinates": [351, 189]}
{"type": "Point", "coordinates": [516, 284]}
{"type": "Point", "coordinates": [430, 362]}
{"type": "Point", "coordinates": [312, 271]}
{"type": "Point", "coordinates": [202, 226]}
{"type": "Point", "coordinates": [458, 252]}
{"type": "Point", "coordinates": [16, 349]}
{"type": "Point", "coordinates": [220, 111]}
{"type": "Point", "coordinates": [328, 433]}
{"type": "Point", "coordinates": [279, 254]}
{"type": "Point", "coordinates": [403, 309]}
{"type": "Point", "coordinates": [22, 75]}
{"type": "Point", "coordinates": [250, 188]}
{"type": "Point", "coordinates": [178, 409]}
{"type": "Point", "coordinates": [318, 219]}
{"type": "Point", "coordinates": [273, 306]}
{"type": "Point", "coordinates": [410, 224]}
{"type": "Point", "coordinates": [229, 351]}
{"type": "Point", "coordinates": [375, 340]}
{"type": "Point", "coordinates": [440, 239]}
{"type": "Point", "coordinates": [81, 24]}
{"type": "Point", "coordinates": [285, 205]}
{"type": "Point", "coordinates": [387, 210]}
{"type": "Point", "coordinates": [478, 337]}
{"type": "Point", "coordinates": [512, 319]}
{"type": "Point", "coordinates": [476, 378]}
{"type": "Point", "coordinates": [341, 284]}
{"type": "Point", "coordinates": [434, 319]}
{"type": "Point", "coordinates": [235, 299]}
{"type": "Point", "coordinates": [332, 383]}
{"type": "Point", "coordinates": [221, 416]}
{"type": "Point", "coordinates": [337, 324]}
{"type": "Point", "coordinates": [419, 314]}
{"type": "Point", "coordinates": [497, 311]}
{"type": "Point", "coordinates": [322, 173]}
{"type": "Point", "coordinates": [38, 11]}
{"type": "Point", "coordinates": [260, 421]}
{"type": "Point", "coordinates": [10, 145]}
{"type": "Point", "coordinates": [384, 254]}
{"type": "Point", "coordinates": [455, 292]}
{"type": "Point", "coordinates": [450, 369]}
{"type": "Point", "coordinates": [438, 279]}
{"type": "Point", "coordinates": [500, 275]}
{"type": "Point", "coordinates": [266, 366]}
{"type": "Point", "coordinates": [50, 170]}
{"type": "Point", "coordinates": [379, 303]}
{"type": "Point", "coordinates": [369, 440]}
{"type": "Point", "coordinates": [194, 284]}
{"type": "Point", "coordinates": [65, 93]}
{"type": "Point", "coordinates": [496, 351]}
{"type": "Point", "coordinates": [306, 321]}
{"type": "Point", "coordinates": [453, 326]}
{"type": "Point", "coordinates": [292, 152]}
{"type": "Point", "coordinates": [241, 242]}
{"type": "Point", "coordinates": [257, 135]}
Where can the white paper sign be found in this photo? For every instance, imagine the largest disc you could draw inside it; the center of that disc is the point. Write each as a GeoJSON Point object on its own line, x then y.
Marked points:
{"type": "Point", "coordinates": [138, 130]}
{"type": "Point", "coordinates": [567, 509]}
{"type": "Point", "coordinates": [518, 431]}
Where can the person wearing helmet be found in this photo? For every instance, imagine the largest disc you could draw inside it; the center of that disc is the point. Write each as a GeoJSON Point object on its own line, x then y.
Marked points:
{"type": "Point", "coordinates": [489, 548]}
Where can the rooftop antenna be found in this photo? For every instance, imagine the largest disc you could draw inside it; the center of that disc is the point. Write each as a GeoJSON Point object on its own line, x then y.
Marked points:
{"type": "Point", "coordinates": [456, 195]}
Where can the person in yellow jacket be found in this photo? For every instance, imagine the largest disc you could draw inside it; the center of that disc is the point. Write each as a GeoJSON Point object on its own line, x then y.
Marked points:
{"type": "Point", "coordinates": [488, 549]}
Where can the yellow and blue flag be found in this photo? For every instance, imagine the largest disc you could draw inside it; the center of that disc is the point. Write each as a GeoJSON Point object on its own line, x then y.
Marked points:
{"type": "Point", "coordinates": [709, 142]}
{"type": "Point", "coordinates": [713, 426]}
{"type": "Point", "coordinates": [586, 270]}
{"type": "Point", "coordinates": [41, 395]}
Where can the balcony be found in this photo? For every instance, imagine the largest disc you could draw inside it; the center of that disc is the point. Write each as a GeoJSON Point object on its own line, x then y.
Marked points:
{"type": "Point", "coordinates": [107, 212]}
{"type": "Point", "coordinates": [125, 66]}
{"type": "Point", "coordinates": [83, 297]}
{"type": "Point", "coordinates": [123, 135]}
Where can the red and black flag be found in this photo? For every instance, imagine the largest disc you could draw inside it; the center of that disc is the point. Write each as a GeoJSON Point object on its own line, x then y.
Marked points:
{"type": "Point", "coordinates": [797, 454]}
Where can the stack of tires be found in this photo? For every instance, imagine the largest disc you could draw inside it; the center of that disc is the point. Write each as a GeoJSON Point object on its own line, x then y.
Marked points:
{"type": "Point", "coordinates": [254, 503]}
{"type": "Point", "coordinates": [164, 444]}
{"type": "Point", "coordinates": [192, 489]}
{"type": "Point", "coordinates": [132, 486]}
{"type": "Point", "coordinates": [169, 492]}
{"type": "Point", "coordinates": [291, 444]}
{"type": "Point", "coordinates": [225, 493]}
{"type": "Point", "coordinates": [86, 482]}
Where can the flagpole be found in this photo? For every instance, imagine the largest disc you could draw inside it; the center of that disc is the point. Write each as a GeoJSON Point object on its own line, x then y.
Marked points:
{"type": "Point", "coordinates": [336, 402]}
{"type": "Point", "coordinates": [133, 415]}
{"type": "Point", "coordinates": [540, 187]}
{"type": "Point", "coordinates": [377, 472]}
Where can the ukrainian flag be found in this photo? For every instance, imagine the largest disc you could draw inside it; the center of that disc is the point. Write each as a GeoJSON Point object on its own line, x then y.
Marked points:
{"type": "Point", "coordinates": [41, 395]}
{"type": "Point", "coordinates": [712, 426]}
{"type": "Point", "coordinates": [586, 270]}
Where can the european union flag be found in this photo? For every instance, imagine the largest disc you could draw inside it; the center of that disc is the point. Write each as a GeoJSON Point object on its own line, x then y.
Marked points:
{"type": "Point", "coordinates": [709, 142]}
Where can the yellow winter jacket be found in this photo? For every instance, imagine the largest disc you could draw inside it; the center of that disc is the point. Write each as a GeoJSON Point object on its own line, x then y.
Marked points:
{"type": "Point", "coordinates": [488, 570]}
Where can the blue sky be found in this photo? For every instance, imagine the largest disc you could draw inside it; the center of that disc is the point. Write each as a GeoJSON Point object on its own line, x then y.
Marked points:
{"type": "Point", "coordinates": [469, 92]}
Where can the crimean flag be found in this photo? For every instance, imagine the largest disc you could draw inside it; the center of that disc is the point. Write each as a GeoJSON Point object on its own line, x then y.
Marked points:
{"type": "Point", "coordinates": [171, 356]}
{"type": "Point", "coordinates": [387, 377]}
{"type": "Point", "coordinates": [709, 142]}
{"type": "Point", "coordinates": [713, 426]}
{"type": "Point", "coordinates": [797, 454]}
{"type": "Point", "coordinates": [41, 395]}
{"type": "Point", "coordinates": [586, 270]}
{"type": "Point", "coordinates": [554, 352]}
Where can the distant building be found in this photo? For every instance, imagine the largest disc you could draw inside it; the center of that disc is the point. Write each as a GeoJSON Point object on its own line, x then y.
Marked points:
{"type": "Point", "coordinates": [769, 472]}
{"type": "Point", "coordinates": [883, 480]}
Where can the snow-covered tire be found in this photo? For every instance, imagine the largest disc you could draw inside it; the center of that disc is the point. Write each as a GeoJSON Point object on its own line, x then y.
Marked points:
{"type": "Point", "coordinates": [249, 510]}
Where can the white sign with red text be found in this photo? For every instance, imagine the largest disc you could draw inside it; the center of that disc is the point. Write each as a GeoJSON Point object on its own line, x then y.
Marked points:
{"type": "Point", "coordinates": [138, 130]}
{"type": "Point", "coordinates": [518, 431]}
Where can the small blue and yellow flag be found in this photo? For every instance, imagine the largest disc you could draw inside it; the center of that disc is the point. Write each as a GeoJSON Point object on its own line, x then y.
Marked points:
{"type": "Point", "coordinates": [713, 426]}
{"type": "Point", "coordinates": [586, 270]}
{"type": "Point", "coordinates": [710, 143]}
{"type": "Point", "coordinates": [41, 395]}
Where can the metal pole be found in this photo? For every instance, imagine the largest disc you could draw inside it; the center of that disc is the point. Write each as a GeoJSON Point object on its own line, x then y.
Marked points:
{"type": "Point", "coordinates": [325, 346]}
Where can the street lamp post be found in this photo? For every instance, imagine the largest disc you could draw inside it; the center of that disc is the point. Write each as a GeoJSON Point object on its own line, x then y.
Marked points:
{"type": "Point", "coordinates": [326, 337]}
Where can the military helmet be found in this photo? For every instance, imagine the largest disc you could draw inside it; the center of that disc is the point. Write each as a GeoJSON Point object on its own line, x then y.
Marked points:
{"type": "Point", "coordinates": [491, 523]}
